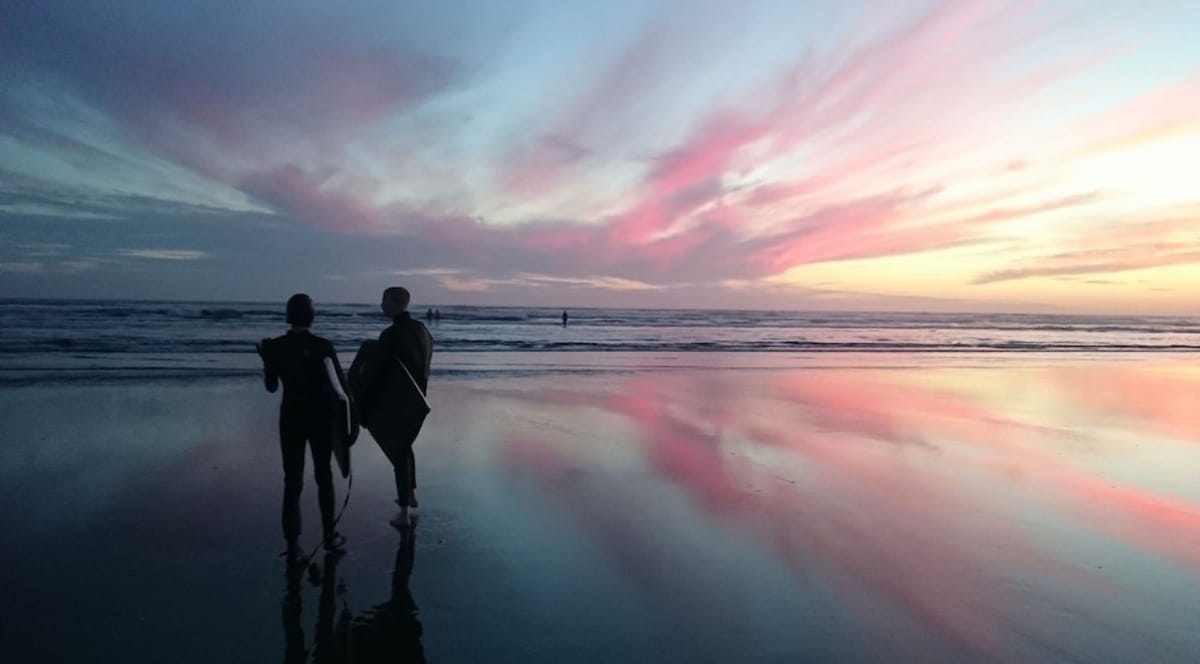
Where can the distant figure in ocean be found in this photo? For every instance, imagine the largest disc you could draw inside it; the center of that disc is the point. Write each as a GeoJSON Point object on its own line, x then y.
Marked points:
{"type": "Point", "coordinates": [429, 315]}
{"type": "Point", "coordinates": [306, 415]}
{"type": "Point", "coordinates": [564, 317]}
{"type": "Point", "coordinates": [437, 314]}
{"type": "Point", "coordinates": [408, 342]}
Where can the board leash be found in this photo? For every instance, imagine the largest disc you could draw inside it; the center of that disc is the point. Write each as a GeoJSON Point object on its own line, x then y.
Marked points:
{"type": "Point", "coordinates": [307, 561]}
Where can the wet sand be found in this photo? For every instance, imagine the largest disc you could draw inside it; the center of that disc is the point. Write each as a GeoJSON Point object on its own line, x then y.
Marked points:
{"type": "Point", "coordinates": [773, 508]}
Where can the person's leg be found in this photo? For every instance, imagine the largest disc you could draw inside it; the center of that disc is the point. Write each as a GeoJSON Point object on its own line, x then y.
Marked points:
{"type": "Point", "coordinates": [412, 478]}
{"type": "Point", "coordinates": [291, 445]}
{"type": "Point", "coordinates": [403, 474]}
{"type": "Point", "coordinates": [322, 453]}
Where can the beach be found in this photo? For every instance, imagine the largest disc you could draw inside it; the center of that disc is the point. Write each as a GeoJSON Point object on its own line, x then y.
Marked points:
{"type": "Point", "coordinates": [771, 332]}
{"type": "Point", "coordinates": [667, 507]}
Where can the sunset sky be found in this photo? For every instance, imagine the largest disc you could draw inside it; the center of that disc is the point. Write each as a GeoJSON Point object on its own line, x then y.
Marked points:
{"type": "Point", "coordinates": [962, 155]}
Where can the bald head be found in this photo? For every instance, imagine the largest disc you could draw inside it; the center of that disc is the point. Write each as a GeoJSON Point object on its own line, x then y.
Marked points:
{"type": "Point", "coordinates": [395, 301]}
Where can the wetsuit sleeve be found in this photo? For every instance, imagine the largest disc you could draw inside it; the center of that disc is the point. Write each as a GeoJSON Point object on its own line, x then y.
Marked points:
{"type": "Point", "coordinates": [270, 373]}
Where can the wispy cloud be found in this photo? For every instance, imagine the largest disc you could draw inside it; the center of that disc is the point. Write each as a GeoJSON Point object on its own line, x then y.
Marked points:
{"type": "Point", "coordinates": [1121, 247]}
{"type": "Point", "coordinates": [163, 254]}
{"type": "Point", "coordinates": [21, 266]}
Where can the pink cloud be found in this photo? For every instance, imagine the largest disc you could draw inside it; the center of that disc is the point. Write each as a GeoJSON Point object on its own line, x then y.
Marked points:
{"type": "Point", "coordinates": [303, 196]}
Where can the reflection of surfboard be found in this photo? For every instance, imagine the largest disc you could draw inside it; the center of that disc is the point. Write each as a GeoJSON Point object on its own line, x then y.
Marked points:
{"type": "Point", "coordinates": [394, 410]}
{"type": "Point", "coordinates": [345, 424]}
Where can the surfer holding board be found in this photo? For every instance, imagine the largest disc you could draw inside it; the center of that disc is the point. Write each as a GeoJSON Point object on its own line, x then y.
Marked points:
{"type": "Point", "coordinates": [388, 381]}
{"type": "Point", "coordinates": [309, 415]}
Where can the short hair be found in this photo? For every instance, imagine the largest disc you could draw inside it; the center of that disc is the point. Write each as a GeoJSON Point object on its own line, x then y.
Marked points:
{"type": "Point", "coordinates": [300, 310]}
{"type": "Point", "coordinates": [395, 300]}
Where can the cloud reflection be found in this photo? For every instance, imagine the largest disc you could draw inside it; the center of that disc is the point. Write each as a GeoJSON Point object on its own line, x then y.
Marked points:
{"type": "Point", "coordinates": [908, 492]}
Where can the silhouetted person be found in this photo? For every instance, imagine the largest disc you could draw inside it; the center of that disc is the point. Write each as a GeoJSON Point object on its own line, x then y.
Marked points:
{"type": "Point", "coordinates": [429, 315]}
{"type": "Point", "coordinates": [408, 341]}
{"type": "Point", "coordinates": [437, 314]}
{"type": "Point", "coordinates": [564, 318]}
{"type": "Point", "coordinates": [305, 415]}
{"type": "Point", "coordinates": [332, 635]}
{"type": "Point", "coordinates": [391, 632]}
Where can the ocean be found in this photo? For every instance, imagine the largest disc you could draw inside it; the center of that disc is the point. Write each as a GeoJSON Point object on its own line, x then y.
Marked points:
{"type": "Point", "coordinates": [89, 340]}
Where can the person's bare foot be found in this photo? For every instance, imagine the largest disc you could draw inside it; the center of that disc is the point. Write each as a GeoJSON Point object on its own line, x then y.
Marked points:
{"type": "Point", "coordinates": [401, 521]}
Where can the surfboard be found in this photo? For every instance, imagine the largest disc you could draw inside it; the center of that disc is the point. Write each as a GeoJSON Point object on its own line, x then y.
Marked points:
{"type": "Point", "coordinates": [345, 422]}
{"type": "Point", "coordinates": [394, 411]}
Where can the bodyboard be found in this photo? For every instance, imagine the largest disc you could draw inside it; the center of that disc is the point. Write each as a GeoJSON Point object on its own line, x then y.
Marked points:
{"type": "Point", "coordinates": [345, 421]}
{"type": "Point", "coordinates": [392, 411]}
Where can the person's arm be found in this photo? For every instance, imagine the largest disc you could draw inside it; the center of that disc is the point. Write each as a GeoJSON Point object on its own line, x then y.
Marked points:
{"type": "Point", "coordinates": [373, 370]}
{"type": "Point", "coordinates": [270, 375]}
{"type": "Point", "coordinates": [428, 359]}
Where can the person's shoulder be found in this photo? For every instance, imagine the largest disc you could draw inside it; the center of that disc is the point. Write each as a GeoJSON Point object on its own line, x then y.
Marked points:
{"type": "Point", "coordinates": [419, 328]}
{"type": "Point", "coordinates": [322, 342]}
{"type": "Point", "coordinates": [274, 342]}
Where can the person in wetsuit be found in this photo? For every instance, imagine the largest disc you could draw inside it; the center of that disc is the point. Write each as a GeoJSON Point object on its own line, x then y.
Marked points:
{"type": "Point", "coordinates": [409, 341]}
{"type": "Point", "coordinates": [306, 415]}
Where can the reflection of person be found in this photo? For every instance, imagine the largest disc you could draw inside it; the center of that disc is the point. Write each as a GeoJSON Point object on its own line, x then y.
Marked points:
{"type": "Point", "coordinates": [391, 632]}
{"type": "Point", "coordinates": [409, 342]}
{"type": "Point", "coordinates": [305, 415]}
{"type": "Point", "coordinates": [332, 638]}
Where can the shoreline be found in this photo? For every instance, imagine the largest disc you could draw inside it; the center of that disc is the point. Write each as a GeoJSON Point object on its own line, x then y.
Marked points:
{"type": "Point", "coordinates": [469, 365]}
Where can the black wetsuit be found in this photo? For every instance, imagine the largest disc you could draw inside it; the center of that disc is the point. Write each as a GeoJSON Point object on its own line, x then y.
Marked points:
{"type": "Point", "coordinates": [305, 414]}
{"type": "Point", "coordinates": [410, 342]}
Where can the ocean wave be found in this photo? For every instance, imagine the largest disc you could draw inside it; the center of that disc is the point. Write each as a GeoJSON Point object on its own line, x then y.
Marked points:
{"type": "Point", "coordinates": [86, 347]}
{"type": "Point", "coordinates": [81, 331]}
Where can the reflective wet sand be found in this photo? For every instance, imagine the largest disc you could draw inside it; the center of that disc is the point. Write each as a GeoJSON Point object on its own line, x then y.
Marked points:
{"type": "Point", "coordinates": [773, 508]}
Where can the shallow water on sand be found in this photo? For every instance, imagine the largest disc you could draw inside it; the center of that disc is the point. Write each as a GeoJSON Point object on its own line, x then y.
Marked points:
{"type": "Point", "coordinates": [775, 511]}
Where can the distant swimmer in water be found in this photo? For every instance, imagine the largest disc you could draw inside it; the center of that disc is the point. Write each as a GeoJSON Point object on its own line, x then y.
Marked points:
{"type": "Point", "coordinates": [306, 416]}
{"type": "Point", "coordinates": [429, 315]}
{"type": "Point", "coordinates": [564, 317]}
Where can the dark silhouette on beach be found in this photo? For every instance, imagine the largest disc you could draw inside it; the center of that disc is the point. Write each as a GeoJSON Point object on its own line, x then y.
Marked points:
{"type": "Point", "coordinates": [408, 342]}
{"type": "Point", "coordinates": [564, 318]}
{"type": "Point", "coordinates": [331, 644]}
{"type": "Point", "coordinates": [429, 315]}
{"type": "Point", "coordinates": [391, 631]}
{"type": "Point", "coordinates": [306, 415]}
